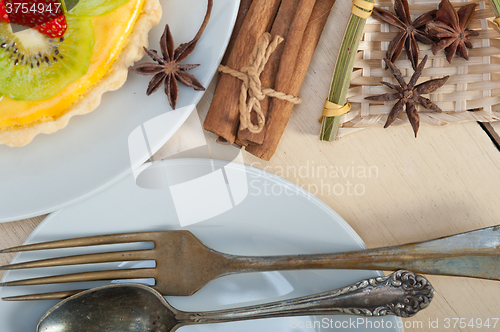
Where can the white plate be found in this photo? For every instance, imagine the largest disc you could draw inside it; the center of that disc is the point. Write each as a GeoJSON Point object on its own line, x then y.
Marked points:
{"type": "Point", "coordinates": [92, 152]}
{"type": "Point", "coordinates": [272, 217]}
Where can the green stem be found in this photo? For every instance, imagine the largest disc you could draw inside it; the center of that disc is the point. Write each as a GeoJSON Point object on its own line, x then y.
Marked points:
{"type": "Point", "coordinates": [342, 75]}
{"type": "Point", "coordinates": [496, 7]}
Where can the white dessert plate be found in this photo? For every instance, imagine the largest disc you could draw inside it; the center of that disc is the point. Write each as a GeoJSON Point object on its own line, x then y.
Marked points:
{"type": "Point", "coordinates": [92, 152]}
{"type": "Point", "coordinates": [245, 211]}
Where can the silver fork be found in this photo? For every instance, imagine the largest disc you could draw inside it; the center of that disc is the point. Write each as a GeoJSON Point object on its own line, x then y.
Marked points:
{"type": "Point", "coordinates": [184, 264]}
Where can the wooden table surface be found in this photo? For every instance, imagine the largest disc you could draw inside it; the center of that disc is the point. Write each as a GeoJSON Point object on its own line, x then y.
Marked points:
{"type": "Point", "coordinates": [390, 187]}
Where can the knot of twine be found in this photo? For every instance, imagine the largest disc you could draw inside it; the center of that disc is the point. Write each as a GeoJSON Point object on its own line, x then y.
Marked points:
{"type": "Point", "coordinates": [251, 90]}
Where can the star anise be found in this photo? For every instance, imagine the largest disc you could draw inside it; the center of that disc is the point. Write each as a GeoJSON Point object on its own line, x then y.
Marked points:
{"type": "Point", "coordinates": [409, 34]}
{"type": "Point", "coordinates": [409, 94]}
{"type": "Point", "coordinates": [168, 69]}
{"type": "Point", "coordinates": [451, 29]}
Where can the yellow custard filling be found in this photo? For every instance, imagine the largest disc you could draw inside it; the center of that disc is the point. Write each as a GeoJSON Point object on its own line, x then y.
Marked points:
{"type": "Point", "coordinates": [111, 32]}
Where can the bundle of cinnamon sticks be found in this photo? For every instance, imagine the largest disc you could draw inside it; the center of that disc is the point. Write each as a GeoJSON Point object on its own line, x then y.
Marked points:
{"type": "Point", "coordinates": [300, 23]}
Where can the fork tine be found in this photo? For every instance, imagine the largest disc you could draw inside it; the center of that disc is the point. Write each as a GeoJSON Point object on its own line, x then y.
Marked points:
{"type": "Point", "coordinates": [85, 241]}
{"type": "Point", "coordinates": [85, 276]}
{"type": "Point", "coordinates": [119, 256]}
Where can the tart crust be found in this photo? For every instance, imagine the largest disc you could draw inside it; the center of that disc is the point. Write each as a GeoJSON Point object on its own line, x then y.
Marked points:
{"type": "Point", "coordinates": [114, 79]}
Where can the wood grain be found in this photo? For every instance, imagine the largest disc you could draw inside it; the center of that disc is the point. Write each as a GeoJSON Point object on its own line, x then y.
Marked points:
{"type": "Point", "coordinates": [15, 233]}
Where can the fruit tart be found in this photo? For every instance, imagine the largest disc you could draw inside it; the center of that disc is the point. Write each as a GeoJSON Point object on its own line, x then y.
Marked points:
{"type": "Point", "coordinates": [61, 66]}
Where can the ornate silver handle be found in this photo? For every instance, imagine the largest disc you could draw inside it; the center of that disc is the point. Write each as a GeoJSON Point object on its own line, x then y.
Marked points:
{"type": "Point", "coordinates": [402, 293]}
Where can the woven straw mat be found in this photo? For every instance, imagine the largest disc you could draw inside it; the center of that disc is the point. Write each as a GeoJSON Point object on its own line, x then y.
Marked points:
{"type": "Point", "coordinates": [473, 85]}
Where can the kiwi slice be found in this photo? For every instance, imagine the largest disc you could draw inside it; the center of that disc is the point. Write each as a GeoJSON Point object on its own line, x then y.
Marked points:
{"type": "Point", "coordinates": [92, 7]}
{"type": "Point", "coordinates": [35, 67]}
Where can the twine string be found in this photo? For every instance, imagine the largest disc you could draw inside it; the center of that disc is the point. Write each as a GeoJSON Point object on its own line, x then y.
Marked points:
{"type": "Point", "coordinates": [251, 92]}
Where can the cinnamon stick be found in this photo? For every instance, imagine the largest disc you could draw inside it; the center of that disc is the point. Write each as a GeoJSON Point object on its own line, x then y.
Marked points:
{"type": "Point", "coordinates": [278, 116]}
{"type": "Point", "coordinates": [240, 18]}
{"type": "Point", "coordinates": [222, 141]}
{"type": "Point", "coordinates": [281, 26]}
{"type": "Point", "coordinates": [223, 114]}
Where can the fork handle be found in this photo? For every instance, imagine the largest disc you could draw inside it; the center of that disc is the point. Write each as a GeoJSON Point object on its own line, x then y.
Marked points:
{"type": "Point", "coordinates": [402, 293]}
{"type": "Point", "coordinates": [473, 254]}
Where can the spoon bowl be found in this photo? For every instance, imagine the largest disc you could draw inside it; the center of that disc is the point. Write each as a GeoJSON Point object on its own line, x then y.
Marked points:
{"type": "Point", "coordinates": [139, 308]}
{"type": "Point", "coordinates": [126, 307]}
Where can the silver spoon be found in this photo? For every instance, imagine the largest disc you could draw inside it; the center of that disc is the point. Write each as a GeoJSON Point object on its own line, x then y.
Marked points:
{"type": "Point", "coordinates": [135, 307]}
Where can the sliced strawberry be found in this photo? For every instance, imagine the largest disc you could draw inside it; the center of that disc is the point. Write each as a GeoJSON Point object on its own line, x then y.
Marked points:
{"type": "Point", "coordinates": [3, 13]}
{"type": "Point", "coordinates": [55, 28]}
{"type": "Point", "coordinates": [31, 13]}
